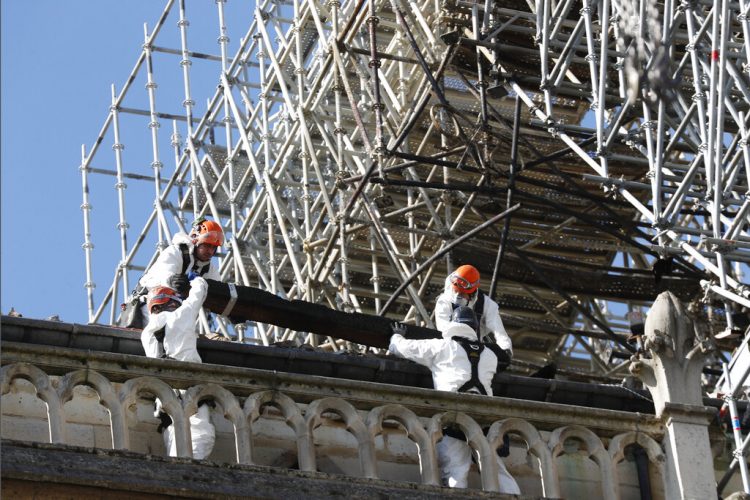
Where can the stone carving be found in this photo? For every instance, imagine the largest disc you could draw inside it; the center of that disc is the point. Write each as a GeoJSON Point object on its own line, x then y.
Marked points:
{"type": "Point", "coordinates": [673, 359]}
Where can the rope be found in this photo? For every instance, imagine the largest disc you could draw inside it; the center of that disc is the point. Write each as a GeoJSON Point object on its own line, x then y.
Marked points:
{"type": "Point", "coordinates": [630, 391]}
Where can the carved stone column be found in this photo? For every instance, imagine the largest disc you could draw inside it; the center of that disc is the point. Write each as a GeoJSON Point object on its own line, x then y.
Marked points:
{"type": "Point", "coordinates": [670, 366]}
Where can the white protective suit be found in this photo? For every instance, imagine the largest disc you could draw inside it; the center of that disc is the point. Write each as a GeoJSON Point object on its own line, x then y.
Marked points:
{"type": "Point", "coordinates": [170, 262]}
{"type": "Point", "coordinates": [489, 323]}
{"type": "Point", "coordinates": [451, 369]}
{"type": "Point", "coordinates": [180, 343]}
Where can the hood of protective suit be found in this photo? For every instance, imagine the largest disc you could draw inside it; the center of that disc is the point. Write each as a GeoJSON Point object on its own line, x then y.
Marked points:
{"type": "Point", "coordinates": [180, 238]}
{"type": "Point", "coordinates": [459, 330]}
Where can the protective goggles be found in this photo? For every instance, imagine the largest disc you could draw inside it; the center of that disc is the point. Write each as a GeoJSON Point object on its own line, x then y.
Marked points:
{"type": "Point", "coordinates": [211, 237]}
{"type": "Point", "coordinates": [163, 298]}
{"type": "Point", "coordinates": [462, 283]}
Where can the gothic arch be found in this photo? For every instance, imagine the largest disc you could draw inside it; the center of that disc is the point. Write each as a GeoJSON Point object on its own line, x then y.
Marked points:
{"type": "Point", "coordinates": [170, 403]}
{"type": "Point", "coordinates": [415, 431]}
{"type": "Point", "coordinates": [595, 449]}
{"type": "Point", "coordinates": [476, 439]}
{"type": "Point", "coordinates": [617, 451]}
{"type": "Point", "coordinates": [44, 391]}
{"type": "Point", "coordinates": [537, 447]}
{"type": "Point", "coordinates": [107, 398]}
{"type": "Point", "coordinates": [292, 414]}
{"type": "Point", "coordinates": [232, 412]}
{"type": "Point", "coordinates": [354, 424]}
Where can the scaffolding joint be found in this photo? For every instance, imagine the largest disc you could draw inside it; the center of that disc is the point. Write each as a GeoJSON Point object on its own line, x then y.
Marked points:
{"type": "Point", "coordinates": [591, 58]}
{"type": "Point", "coordinates": [552, 128]}
{"type": "Point", "coordinates": [662, 224]}
{"type": "Point", "coordinates": [341, 176]}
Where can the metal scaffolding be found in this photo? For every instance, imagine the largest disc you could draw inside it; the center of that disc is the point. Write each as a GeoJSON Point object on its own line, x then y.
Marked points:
{"type": "Point", "coordinates": [349, 148]}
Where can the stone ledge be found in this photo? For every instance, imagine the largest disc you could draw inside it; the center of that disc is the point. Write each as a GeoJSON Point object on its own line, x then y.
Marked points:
{"type": "Point", "coordinates": [242, 382]}
{"type": "Point", "coordinates": [119, 473]}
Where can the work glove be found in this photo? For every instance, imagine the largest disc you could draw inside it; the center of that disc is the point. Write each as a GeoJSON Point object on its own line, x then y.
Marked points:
{"type": "Point", "coordinates": [179, 283]}
{"type": "Point", "coordinates": [398, 328]}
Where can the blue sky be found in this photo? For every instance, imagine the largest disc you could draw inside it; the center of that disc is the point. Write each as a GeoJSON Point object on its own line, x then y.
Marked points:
{"type": "Point", "coordinates": [59, 59]}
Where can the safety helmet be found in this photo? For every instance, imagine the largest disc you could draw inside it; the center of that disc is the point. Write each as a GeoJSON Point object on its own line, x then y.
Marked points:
{"type": "Point", "coordinates": [465, 279]}
{"type": "Point", "coordinates": [466, 316]}
{"type": "Point", "coordinates": [207, 231]}
{"type": "Point", "coordinates": [161, 295]}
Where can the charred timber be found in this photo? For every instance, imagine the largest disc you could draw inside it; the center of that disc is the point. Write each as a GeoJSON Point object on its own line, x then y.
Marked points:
{"type": "Point", "coordinates": [253, 304]}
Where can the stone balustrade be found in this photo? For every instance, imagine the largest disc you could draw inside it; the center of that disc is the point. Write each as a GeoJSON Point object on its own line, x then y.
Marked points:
{"type": "Point", "coordinates": [558, 451]}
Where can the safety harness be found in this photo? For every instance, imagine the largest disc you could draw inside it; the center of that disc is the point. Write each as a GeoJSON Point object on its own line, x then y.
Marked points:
{"type": "Point", "coordinates": [141, 290]}
{"type": "Point", "coordinates": [473, 351]}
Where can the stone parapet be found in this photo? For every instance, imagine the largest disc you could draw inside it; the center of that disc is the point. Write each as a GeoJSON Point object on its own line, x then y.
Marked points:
{"type": "Point", "coordinates": [355, 428]}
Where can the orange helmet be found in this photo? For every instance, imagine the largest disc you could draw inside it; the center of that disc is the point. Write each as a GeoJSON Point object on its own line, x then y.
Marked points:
{"type": "Point", "coordinates": [207, 231]}
{"type": "Point", "coordinates": [465, 279]}
{"type": "Point", "coordinates": [161, 295]}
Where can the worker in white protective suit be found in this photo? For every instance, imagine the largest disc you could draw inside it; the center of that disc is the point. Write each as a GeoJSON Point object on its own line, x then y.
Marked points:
{"type": "Point", "coordinates": [171, 334]}
{"type": "Point", "coordinates": [462, 289]}
{"type": "Point", "coordinates": [459, 362]}
{"type": "Point", "coordinates": [188, 256]}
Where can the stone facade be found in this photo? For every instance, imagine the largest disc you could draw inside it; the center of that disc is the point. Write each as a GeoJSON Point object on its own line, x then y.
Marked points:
{"type": "Point", "coordinates": [65, 406]}
{"type": "Point", "coordinates": [316, 424]}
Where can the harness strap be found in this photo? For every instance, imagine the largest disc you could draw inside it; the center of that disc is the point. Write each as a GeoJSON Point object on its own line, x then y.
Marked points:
{"type": "Point", "coordinates": [473, 352]}
{"type": "Point", "coordinates": [185, 257]}
{"type": "Point", "coordinates": [479, 307]}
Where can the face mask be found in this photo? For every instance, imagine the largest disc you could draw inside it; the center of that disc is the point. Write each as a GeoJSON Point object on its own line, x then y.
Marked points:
{"type": "Point", "coordinates": [459, 301]}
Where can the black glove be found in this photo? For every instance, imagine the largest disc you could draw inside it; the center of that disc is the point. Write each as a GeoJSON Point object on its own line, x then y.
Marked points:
{"type": "Point", "coordinates": [179, 283]}
{"type": "Point", "coordinates": [504, 450]}
{"type": "Point", "coordinates": [398, 328]}
{"type": "Point", "coordinates": [164, 421]}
